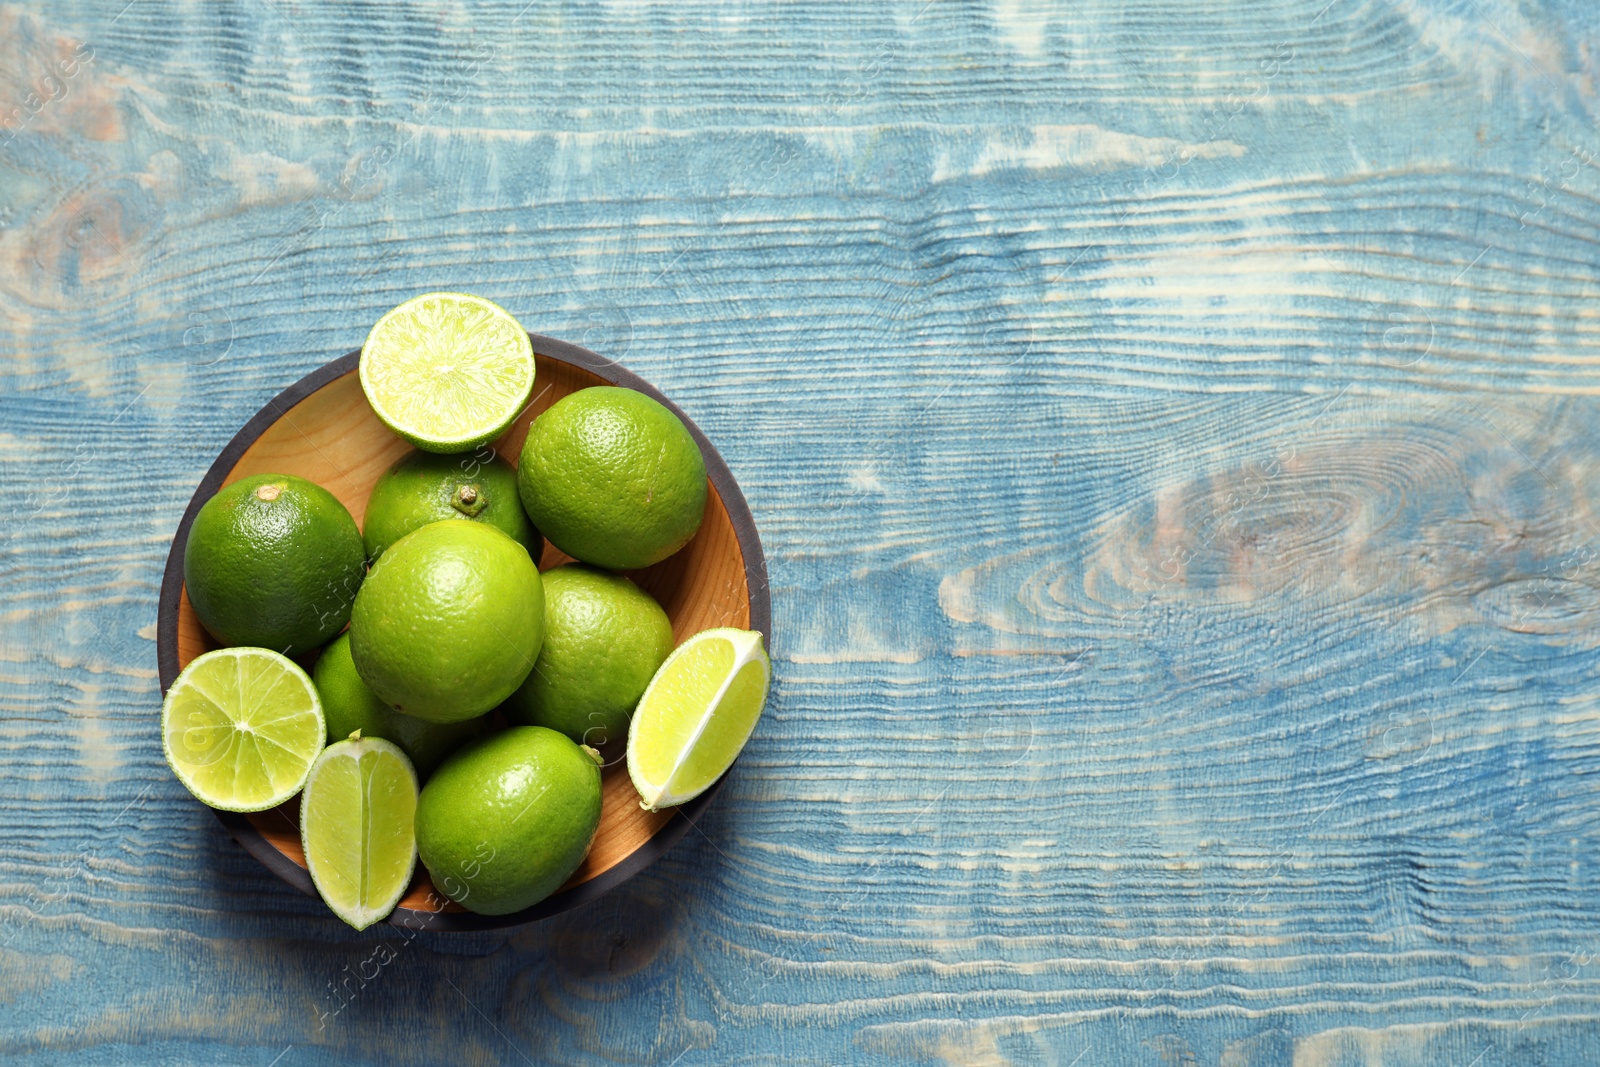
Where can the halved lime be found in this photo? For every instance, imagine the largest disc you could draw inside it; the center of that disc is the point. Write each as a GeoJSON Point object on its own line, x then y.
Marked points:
{"type": "Point", "coordinates": [447, 371]}
{"type": "Point", "coordinates": [357, 827]}
{"type": "Point", "coordinates": [240, 728]}
{"type": "Point", "coordinates": [696, 715]}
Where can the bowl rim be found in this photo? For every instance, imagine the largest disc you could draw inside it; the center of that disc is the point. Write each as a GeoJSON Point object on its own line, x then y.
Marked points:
{"type": "Point", "coordinates": [755, 573]}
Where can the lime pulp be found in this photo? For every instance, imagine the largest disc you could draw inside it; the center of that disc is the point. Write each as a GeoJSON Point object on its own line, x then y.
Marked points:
{"type": "Point", "coordinates": [356, 825]}
{"type": "Point", "coordinates": [696, 715]}
{"type": "Point", "coordinates": [447, 371]}
{"type": "Point", "coordinates": [240, 728]}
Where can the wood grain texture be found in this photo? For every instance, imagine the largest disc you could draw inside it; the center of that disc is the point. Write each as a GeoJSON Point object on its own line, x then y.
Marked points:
{"type": "Point", "coordinates": [1171, 427]}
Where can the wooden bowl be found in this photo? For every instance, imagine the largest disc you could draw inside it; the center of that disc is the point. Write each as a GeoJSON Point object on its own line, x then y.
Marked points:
{"type": "Point", "coordinates": [322, 429]}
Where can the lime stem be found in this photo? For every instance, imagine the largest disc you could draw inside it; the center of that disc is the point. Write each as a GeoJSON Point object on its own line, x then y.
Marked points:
{"type": "Point", "coordinates": [468, 500]}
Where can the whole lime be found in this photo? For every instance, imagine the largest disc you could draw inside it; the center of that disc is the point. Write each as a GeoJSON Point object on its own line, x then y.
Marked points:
{"type": "Point", "coordinates": [613, 478]}
{"type": "Point", "coordinates": [604, 637]}
{"type": "Point", "coordinates": [273, 561]}
{"type": "Point", "coordinates": [505, 821]}
{"type": "Point", "coordinates": [349, 704]}
{"type": "Point", "coordinates": [449, 622]}
{"type": "Point", "coordinates": [425, 487]}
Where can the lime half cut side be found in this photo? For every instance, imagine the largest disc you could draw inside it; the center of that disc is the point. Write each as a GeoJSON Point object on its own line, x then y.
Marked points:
{"type": "Point", "coordinates": [696, 715]}
{"type": "Point", "coordinates": [447, 371]}
{"type": "Point", "coordinates": [241, 727]}
{"type": "Point", "coordinates": [357, 825]}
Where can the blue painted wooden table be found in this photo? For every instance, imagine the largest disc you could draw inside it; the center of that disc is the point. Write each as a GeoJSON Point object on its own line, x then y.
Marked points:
{"type": "Point", "coordinates": [1173, 431]}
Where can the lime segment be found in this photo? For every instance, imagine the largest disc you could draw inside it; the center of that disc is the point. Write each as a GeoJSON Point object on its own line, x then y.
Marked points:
{"type": "Point", "coordinates": [447, 371]}
{"type": "Point", "coordinates": [356, 824]}
{"type": "Point", "coordinates": [696, 715]}
{"type": "Point", "coordinates": [240, 728]}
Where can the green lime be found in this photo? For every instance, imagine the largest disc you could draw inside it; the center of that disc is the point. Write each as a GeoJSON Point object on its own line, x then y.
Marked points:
{"type": "Point", "coordinates": [447, 371]}
{"type": "Point", "coordinates": [449, 622]}
{"type": "Point", "coordinates": [357, 819]}
{"type": "Point", "coordinates": [424, 487]}
{"type": "Point", "coordinates": [505, 821]}
{"type": "Point", "coordinates": [240, 728]}
{"type": "Point", "coordinates": [697, 715]}
{"type": "Point", "coordinates": [613, 478]}
{"type": "Point", "coordinates": [603, 640]}
{"type": "Point", "coordinates": [273, 561]}
{"type": "Point", "coordinates": [349, 704]}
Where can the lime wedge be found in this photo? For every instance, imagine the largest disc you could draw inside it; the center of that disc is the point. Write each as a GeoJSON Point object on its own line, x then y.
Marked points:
{"type": "Point", "coordinates": [696, 715]}
{"type": "Point", "coordinates": [240, 728]}
{"type": "Point", "coordinates": [447, 371]}
{"type": "Point", "coordinates": [356, 824]}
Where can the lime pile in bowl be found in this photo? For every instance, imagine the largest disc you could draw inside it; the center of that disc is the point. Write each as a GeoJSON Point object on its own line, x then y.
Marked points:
{"type": "Point", "coordinates": [454, 703]}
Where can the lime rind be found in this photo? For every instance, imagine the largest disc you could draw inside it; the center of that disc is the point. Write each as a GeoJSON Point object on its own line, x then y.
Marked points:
{"type": "Point", "coordinates": [692, 772]}
{"type": "Point", "coordinates": [357, 827]}
{"type": "Point", "coordinates": [241, 727]}
{"type": "Point", "coordinates": [447, 371]}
